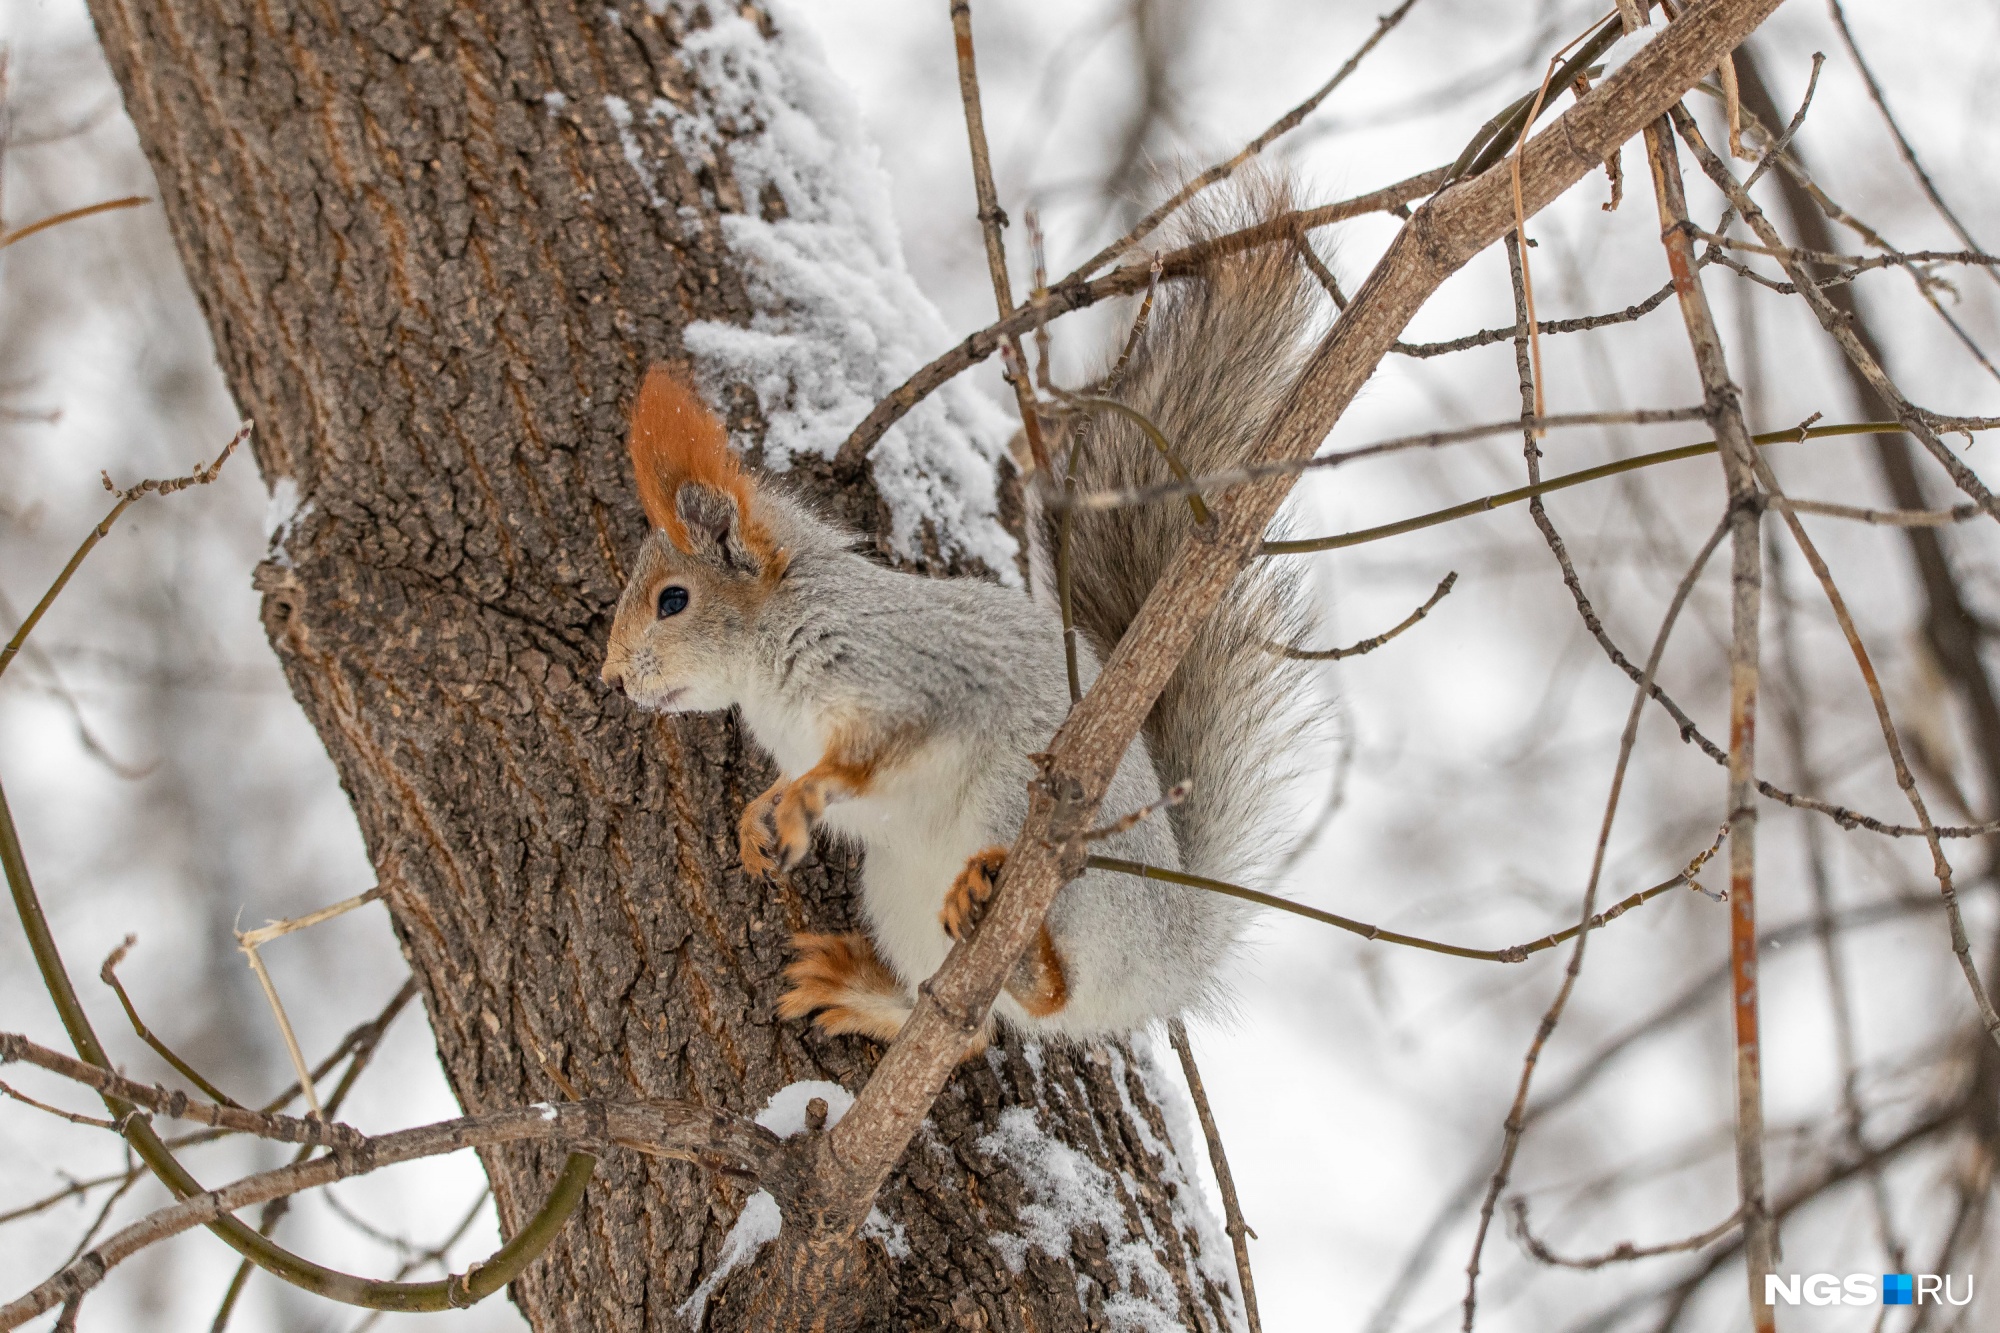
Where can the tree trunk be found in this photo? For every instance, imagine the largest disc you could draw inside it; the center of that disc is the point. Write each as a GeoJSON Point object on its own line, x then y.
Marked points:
{"type": "Point", "coordinates": [436, 244]}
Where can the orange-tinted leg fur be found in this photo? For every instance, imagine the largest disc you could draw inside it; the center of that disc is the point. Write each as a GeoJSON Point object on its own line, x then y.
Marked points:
{"type": "Point", "coordinates": [782, 819]}
{"type": "Point", "coordinates": [1037, 981]}
{"type": "Point", "coordinates": [840, 977]}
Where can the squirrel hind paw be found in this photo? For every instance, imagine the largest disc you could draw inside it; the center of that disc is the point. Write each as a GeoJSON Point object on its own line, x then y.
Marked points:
{"type": "Point", "coordinates": [840, 980]}
{"type": "Point", "coordinates": [965, 902]}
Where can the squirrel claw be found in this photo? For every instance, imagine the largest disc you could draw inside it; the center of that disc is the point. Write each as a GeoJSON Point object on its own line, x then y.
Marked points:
{"type": "Point", "coordinates": [755, 834]}
{"type": "Point", "coordinates": [965, 903]}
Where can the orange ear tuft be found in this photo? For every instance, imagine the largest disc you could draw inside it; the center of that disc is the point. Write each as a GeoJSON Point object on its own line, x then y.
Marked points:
{"type": "Point", "coordinates": [674, 440]}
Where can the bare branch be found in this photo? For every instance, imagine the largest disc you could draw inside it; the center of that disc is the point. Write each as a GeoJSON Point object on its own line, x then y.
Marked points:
{"type": "Point", "coordinates": [1902, 141]}
{"type": "Point", "coordinates": [1741, 469]}
{"type": "Point", "coordinates": [1076, 294]}
{"type": "Point", "coordinates": [1369, 645]}
{"type": "Point", "coordinates": [670, 1129]}
{"type": "Point", "coordinates": [1624, 1251]}
{"type": "Point", "coordinates": [1513, 953]}
{"type": "Point", "coordinates": [1914, 420]}
{"type": "Point", "coordinates": [1239, 1231]}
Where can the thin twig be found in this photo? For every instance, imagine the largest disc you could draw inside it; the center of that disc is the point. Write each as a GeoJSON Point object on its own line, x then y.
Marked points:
{"type": "Point", "coordinates": [74, 1117]}
{"type": "Point", "coordinates": [1220, 481]}
{"type": "Point", "coordinates": [1864, 362]}
{"type": "Point", "coordinates": [201, 476]}
{"type": "Point", "coordinates": [1223, 170]}
{"type": "Point", "coordinates": [1515, 1125]}
{"type": "Point", "coordinates": [992, 221]}
{"type": "Point", "coordinates": [1131, 819]}
{"type": "Point", "coordinates": [1961, 945]}
{"type": "Point", "coordinates": [250, 941]}
{"type": "Point", "coordinates": [1583, 324]}
{"type": "Point", "coordinates": [89, 210]}
{"type": "Point", "coordinates": [1624, 1251]}
{"type": "Point", "coordinates": [132, 1174]}
{"type": "Point", "coordinates": [1239, 1231]}
{"type": "Point", "coordinates": [109, 975]}
{"type": "Point", "coordinates": [1903, 146]}
{"type": "Point", "coordinates": [1536, 490]}
{"type": "Point", "coordinates": [1894, 518]}
{"type": "Point", "coordinates": [1792, 716]}
{"type": "Point", "coordinates": [1072, 295]}
{"type": "Point", "coordinates": [1850, 263]}
{"type": "Point", "coordinates": [1513, 953]}
{"type": "Point", "coordinates": [366, 1040]}
{"type": "Point", "coordinates": [1368, 645]}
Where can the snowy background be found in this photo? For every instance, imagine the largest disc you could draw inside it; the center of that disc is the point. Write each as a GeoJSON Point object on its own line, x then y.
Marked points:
{"type": "Point", "coordinates": [167, 786]}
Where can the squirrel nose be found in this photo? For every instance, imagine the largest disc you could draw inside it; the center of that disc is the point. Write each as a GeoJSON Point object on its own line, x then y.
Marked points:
{"type": "Point", "coordinates": [615, 679]}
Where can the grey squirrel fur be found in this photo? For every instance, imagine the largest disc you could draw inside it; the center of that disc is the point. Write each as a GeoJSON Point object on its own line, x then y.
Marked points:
{"type": "Point", "coordinates": [901, 710]}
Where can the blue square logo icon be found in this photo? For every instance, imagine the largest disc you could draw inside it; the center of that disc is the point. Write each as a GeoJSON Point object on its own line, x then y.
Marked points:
{"type": "Point", "coordinates": [1897, 1289]}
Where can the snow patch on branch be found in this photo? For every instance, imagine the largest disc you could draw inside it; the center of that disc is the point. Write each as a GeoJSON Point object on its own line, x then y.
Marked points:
{"type": "Point", "coordinates": [784, 1114]}
{"type": "Point", "coordinates": [837, 322]}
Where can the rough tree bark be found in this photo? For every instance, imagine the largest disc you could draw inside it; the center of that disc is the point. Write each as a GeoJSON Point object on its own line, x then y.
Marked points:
{"type": "Point", "coordinates": [436, 245]}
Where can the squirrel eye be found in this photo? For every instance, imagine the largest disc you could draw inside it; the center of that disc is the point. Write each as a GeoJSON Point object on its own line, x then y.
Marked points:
{"type": "Point", "coordinates": [673, 600]}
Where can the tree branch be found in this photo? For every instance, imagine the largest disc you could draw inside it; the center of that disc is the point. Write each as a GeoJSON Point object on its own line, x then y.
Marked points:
{"type": "Point", "coordinates": [669, 1129]}
{"type": "Point", "coordinates": [1439, 239]}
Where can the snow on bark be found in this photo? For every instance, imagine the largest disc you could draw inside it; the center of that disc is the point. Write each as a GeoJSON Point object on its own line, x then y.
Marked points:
{"type": "Point", "coordinates": [761, 1219]}
{"type": "Point", "coordinates": [1069, 1194]}
{"type": "Point", "coordinates": [837, 320]}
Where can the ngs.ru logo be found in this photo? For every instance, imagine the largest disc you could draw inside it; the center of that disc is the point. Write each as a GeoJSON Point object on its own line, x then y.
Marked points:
{"type": "Point", "coordinates": [1861, 1289]}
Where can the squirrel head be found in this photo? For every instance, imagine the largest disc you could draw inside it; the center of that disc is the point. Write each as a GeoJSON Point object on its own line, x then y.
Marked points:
{"type": "Point", "coordinates": [686, 616]}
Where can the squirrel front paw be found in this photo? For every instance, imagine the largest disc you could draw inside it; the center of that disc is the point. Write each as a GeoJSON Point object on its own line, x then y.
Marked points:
{"type": "Point", "coordinates": [755, 833]}
{"type": "Point", "coordinates": [776, 829]}
{"type": "Point", "coordinates": [966, 901]}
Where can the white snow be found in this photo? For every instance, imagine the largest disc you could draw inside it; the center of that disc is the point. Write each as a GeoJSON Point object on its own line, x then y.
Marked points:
{"type": "Point", "coordinates": [756, 1224]}
{"type": "Point", "coordinates": [1191, 1207]}
{"type": "Point", "coordinates": [837, 320]}
{"type": "Point", "coordinates": [282, 515]}
{"type": "Point", "coordinates": [1070, 1193]}
{"type": "Point", "coordinates": [1631, 44]}
{"type": "Point", "coordinates": [784, 1114]}
{"type": "Point", "coordinates": [620, 112]}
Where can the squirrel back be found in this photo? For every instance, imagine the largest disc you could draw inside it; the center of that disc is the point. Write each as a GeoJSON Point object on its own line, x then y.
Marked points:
{"type": "Point", "coordinates": [1212, 364]}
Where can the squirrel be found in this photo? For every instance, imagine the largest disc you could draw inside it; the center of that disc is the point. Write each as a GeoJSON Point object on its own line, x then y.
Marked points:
{"type": "Point", "coordinates": [902, 710]}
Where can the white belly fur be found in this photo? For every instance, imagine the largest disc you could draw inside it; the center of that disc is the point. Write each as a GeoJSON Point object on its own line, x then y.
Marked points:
{"type": "Point", "coordinates": [917, 828]}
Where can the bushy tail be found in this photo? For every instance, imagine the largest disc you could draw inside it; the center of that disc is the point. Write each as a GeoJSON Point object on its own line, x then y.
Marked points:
{"type": "Point", "coordinates": [1213, 363]}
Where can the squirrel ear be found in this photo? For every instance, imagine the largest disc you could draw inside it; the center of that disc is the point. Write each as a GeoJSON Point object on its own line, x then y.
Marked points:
{"type": "Point", "coordinates": [715, 526]}
{"type": "Point", "coordinates": [675, 443]}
